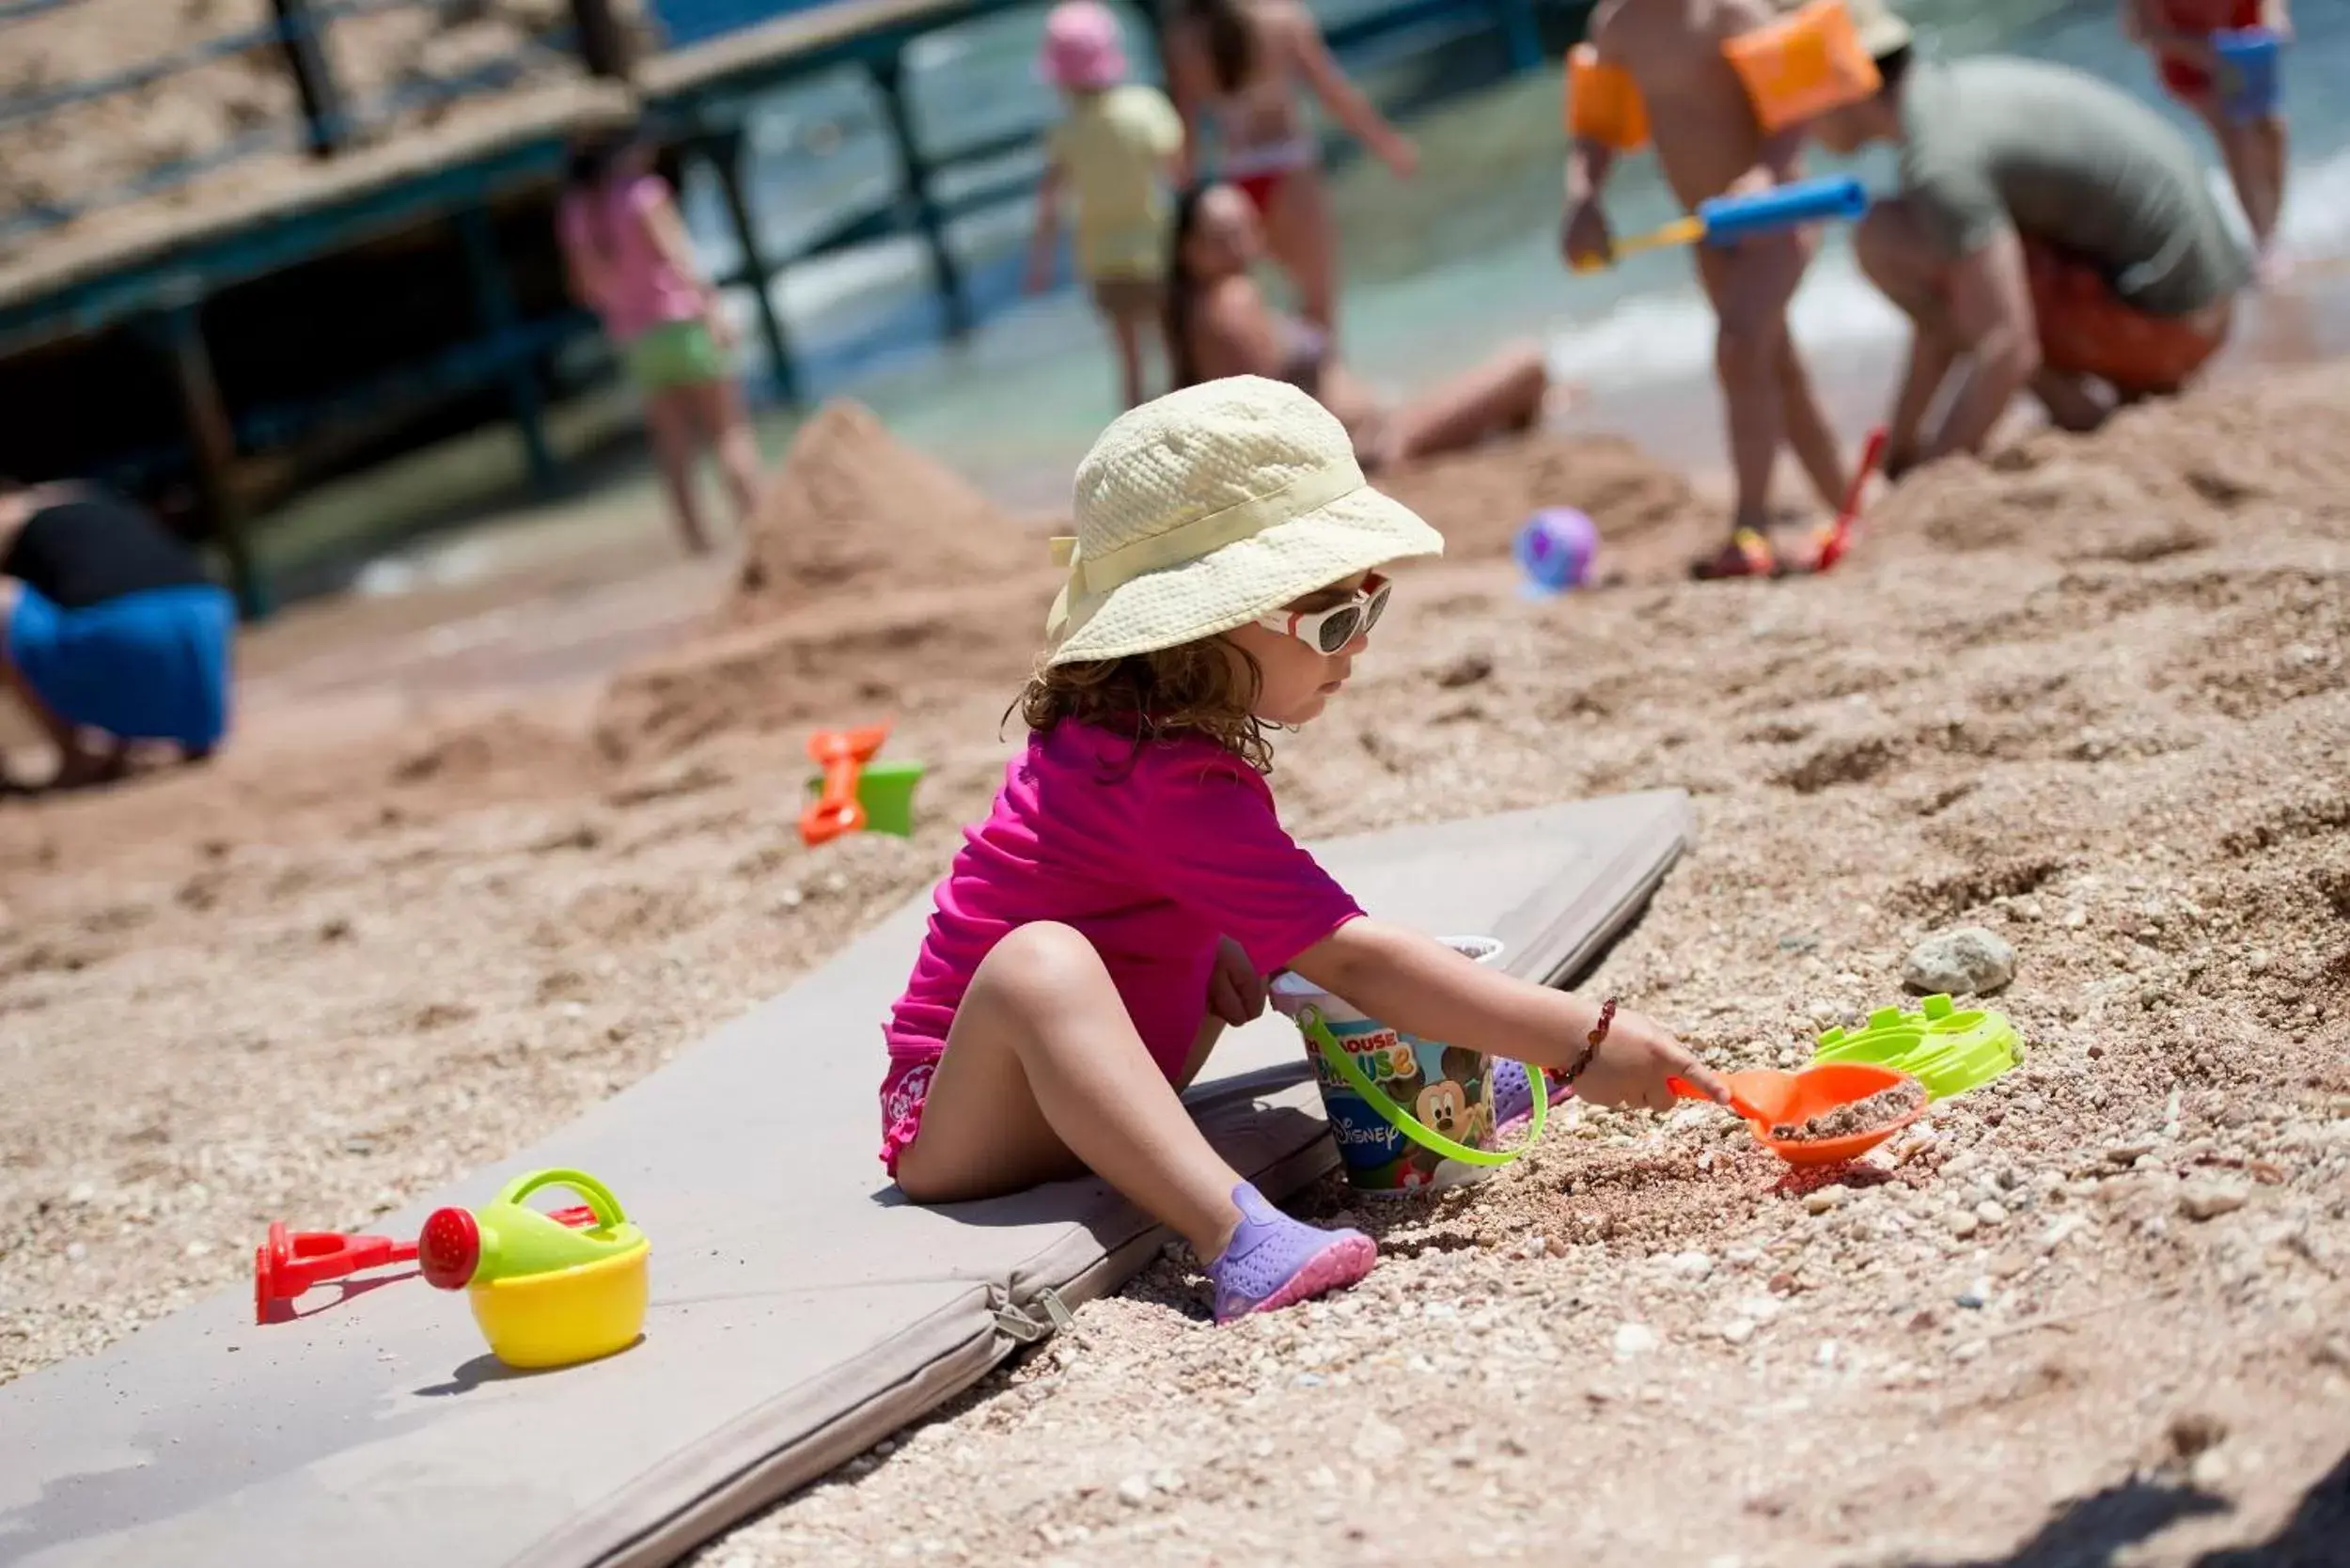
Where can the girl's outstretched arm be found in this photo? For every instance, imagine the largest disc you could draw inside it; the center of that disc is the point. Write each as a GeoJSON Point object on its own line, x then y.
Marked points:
{"type": "Point", "coordinates": [583, 275]}
{"type": "Point", "coordinates": [1419, 985]}
{"type": "Point", "coordinates": [1345, 100]}
{"type": "Point", "coordinates": [1191, 88]}
{"type": "Point", "coordinates": [666, 225]}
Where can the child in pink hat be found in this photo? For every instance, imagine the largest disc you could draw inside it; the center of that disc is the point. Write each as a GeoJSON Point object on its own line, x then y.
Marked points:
{"type": "Point", "coordinates": [1118, 152]}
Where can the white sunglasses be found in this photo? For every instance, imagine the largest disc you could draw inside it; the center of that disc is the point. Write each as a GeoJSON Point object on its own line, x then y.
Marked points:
{"type": "Point", "coordinates": [1327, 631]}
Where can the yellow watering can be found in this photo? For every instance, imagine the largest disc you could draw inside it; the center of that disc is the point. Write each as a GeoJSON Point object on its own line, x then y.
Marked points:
{"type": "Point", "coordinates": [543, 1293]}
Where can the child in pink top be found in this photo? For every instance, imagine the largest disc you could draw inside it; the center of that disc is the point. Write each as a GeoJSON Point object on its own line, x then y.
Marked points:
{"type": "Point", "coordinates": [629, 258]}
{"type": "Point", "coordinates": [1133, 887]}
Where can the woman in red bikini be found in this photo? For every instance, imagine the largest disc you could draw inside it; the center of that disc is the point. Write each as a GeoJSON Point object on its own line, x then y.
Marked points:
{"type": "Point", "coordinates": [1241, 63]}
{"type": "Point", "coordinates": [2178, 34]}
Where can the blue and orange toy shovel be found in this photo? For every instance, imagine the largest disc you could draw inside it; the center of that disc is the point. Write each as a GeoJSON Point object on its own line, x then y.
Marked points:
{"type": "Point", "coordinates": [1729, 217]}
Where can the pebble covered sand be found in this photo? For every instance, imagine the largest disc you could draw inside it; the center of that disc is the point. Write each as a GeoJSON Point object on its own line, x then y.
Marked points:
{"type": "Point", "coordinates": [2087, 698]}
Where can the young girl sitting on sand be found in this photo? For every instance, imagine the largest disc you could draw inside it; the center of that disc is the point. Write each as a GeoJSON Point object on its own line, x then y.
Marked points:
{"type": "Point", "coordinates": [1118, 151]}
{"type": "Point", "coordinates": [1133, 887]}
{"type": "Point", "coordinates": [1220, 323]}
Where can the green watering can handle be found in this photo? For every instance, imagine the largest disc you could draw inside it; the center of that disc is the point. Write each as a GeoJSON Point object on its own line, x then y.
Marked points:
{"type": "Point", "coordinates": [599, 1199]}
{"type": "Point", "coordinates": [1310, 1023]}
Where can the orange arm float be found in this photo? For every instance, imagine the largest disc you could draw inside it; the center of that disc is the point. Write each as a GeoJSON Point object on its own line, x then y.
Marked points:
{"type": "Point", "coordinates": [1803, 65]}
{"type": "Point", "coordinates": [1603, 102]}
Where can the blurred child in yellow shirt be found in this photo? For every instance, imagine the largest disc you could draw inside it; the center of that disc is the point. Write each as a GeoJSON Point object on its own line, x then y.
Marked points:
{"type": "Point", "coordinates": [1119, 150]}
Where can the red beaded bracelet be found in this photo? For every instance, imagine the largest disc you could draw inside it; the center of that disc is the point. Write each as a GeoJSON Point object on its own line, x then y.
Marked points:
{"type": "Point", "coordinates": [1590, 1049]}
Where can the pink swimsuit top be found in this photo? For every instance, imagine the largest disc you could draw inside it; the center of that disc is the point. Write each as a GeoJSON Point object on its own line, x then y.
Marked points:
{"type": "Point", "coordinates": [642, 287]}
{"type": "Point", "coordinates": [1152, 856]}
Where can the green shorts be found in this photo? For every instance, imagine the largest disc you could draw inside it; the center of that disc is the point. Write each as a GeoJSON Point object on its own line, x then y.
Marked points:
{"type": "Point", "coordinates": [675, 353]}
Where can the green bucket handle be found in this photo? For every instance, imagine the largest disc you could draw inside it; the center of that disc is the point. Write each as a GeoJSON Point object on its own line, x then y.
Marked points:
{"type": "Point", "coordinates": [599, 1199]}
{"type": "Point", "coordinates": [1310, 1025]}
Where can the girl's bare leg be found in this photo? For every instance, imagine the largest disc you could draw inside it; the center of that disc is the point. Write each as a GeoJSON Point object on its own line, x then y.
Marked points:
{"type": "Point", "coordinates": [1303, 238]}
{"type": "Point", "coordinates": [2270, 141]}
{"type": "Point", "coordinates": [1126, 338]}
{"type": "Point", "coordinates": [2239, 150]}
{"type": "Point", "coordinates": [671, 420]}
{"type": "Point", "coordinates": [1045, 1078]}
{"type": "Point", "coordinates": [726, 425]}
{"type": "Point", "coordinates": [2241, 147]}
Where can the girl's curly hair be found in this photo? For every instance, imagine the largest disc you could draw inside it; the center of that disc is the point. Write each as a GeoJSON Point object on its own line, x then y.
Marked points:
{"type": "Point", "coordinates": [1208, 687]}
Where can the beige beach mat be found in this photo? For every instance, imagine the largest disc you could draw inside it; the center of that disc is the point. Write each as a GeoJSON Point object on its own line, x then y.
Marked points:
{"type": "Point", "coordinates": [800, 1310]}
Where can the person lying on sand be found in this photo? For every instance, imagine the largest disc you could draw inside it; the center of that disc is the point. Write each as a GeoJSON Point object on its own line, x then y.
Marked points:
{"type": "Point", "coordinates": [1220, 323]}
{"type": "Point", "coordinates": [110, 631]}
{"type": "Point", "coordinates": [2050, 230]}
{"type": "Point", "coordinates": [1709, 142]}
{"type": "Point", "coordinates": [2178, 33]}
{"type": "Point", "coordinates": [1132, 889]}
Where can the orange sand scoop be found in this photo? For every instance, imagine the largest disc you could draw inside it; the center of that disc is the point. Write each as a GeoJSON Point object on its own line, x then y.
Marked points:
{"type": "Point", "coordinates": [842, 754]}
{"type": "Point", "coordinates": [1603, 102]}
{"type": "Point", "coordinates": [1794, 1115]}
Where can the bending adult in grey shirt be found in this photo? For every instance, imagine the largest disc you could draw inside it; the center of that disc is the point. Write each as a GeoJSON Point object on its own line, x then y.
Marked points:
{"type": "Point", "coordinates": [2050, 229]}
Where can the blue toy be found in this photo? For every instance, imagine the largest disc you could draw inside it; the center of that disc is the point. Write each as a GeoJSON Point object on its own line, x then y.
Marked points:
{"type": "Point", "coordinates": [1554, 550]}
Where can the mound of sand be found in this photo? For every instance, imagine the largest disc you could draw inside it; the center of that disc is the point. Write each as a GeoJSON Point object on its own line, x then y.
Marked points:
{"type": "Point", "coordinates": [874, 577]}
{"type": "Point", "coordinates": [1478, 499]}
{"type": "Point", "coordinates": [835, 666]}
{"type": "Point", "coordinates": [2159, 481]}
{"type": "Point", "coordinates": [855, 510]}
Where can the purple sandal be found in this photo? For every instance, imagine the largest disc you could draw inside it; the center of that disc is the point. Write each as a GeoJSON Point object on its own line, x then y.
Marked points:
{"type": "Point", "coordinates": [1273, 1262]}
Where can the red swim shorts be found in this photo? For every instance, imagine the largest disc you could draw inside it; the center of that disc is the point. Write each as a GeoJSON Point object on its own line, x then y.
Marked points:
{"type": "Point", "coordinates": [2184, 77]}
{"type": "Point", "coordinates": [2087, 329]}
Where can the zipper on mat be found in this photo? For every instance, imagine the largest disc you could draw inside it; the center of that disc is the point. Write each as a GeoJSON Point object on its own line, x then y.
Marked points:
{"type": "Point", "coordinates": [1019, 1324]}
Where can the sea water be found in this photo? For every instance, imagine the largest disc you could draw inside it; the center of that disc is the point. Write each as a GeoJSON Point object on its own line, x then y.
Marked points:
{"type": "Point", "coordinates": [1437, 270]}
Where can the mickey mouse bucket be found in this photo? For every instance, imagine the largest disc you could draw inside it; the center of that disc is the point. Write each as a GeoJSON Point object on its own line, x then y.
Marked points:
{"type": "Point", "coordinates": [1409, 1114]}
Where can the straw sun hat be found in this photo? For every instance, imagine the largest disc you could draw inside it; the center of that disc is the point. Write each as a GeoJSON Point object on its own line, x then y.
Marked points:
{"type": "Point", "coordinates": [1210, 507]}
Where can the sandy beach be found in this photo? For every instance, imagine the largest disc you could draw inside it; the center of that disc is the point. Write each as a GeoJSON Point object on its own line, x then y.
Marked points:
{"type": "Point", "coordinates": [2089, 695]}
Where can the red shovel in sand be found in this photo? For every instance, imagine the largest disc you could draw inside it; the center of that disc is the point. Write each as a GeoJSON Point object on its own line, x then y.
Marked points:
{"type": "Point", "coordinates": [292, 1262]}
{"type": "Point", "coordinates": [1772, 1101]}
{"type": "Point", "coordinates": [842, 754]}
{"type": "Point", "coordinates": [1837, 537]}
